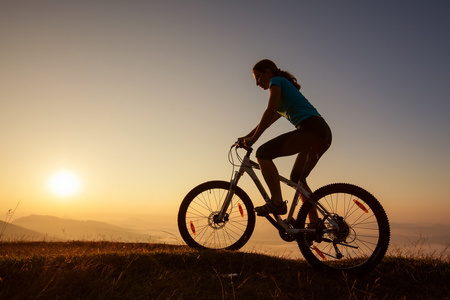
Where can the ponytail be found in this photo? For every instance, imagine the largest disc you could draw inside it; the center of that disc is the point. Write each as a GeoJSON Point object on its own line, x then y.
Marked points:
{"type": "Point", "coordinates": [265, 64]}
{"type": "Point", "coordinates": [289, 77]}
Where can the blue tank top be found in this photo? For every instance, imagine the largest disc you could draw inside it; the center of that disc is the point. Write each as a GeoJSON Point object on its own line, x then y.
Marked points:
{"type": "Point", "coordinates": [293, 105]}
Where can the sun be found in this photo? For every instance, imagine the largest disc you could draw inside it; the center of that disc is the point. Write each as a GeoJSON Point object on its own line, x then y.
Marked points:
{"type": "Point", "coordinates": [64, 184]}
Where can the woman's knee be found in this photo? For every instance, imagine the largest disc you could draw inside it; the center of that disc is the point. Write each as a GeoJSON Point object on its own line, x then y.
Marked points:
{"type": "Point", "coordinates": [263, 153]}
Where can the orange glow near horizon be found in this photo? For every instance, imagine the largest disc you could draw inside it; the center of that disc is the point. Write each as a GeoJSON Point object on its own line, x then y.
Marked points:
{"type": "Point", "coordinates": [121, 114]}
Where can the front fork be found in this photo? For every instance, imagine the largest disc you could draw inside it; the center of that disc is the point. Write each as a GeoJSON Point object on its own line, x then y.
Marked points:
{"type": "Point", "coordinates": [226, 204]}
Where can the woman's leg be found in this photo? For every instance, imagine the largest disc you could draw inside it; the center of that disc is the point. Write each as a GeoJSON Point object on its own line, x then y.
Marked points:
{"type": "Point", "coordinates": [298, 141]}
{"type": "Point", "coordinates": [277, 147]}
{"type": "Point", "coordinates": [319, 142]}
{"type": "Point", "coordinates": [271, 176]}
{"type": "Point", "coordinates": [312, 215]}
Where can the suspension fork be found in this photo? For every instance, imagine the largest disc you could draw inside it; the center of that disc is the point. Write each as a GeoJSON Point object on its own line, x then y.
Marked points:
{"type": "Point", "coordinates": [226, 203]}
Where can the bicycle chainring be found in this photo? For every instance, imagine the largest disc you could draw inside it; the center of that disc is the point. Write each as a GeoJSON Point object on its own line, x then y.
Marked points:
{"type": "Point", "coordinates": [286, 236]}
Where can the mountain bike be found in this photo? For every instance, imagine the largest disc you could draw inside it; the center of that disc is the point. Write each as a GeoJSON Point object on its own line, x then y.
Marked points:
{"type": "Point", "coordinates": [352, 235]}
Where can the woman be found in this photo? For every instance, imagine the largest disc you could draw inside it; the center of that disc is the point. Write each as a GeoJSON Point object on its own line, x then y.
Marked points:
{"type": "Point", "coordinates": [310, 140]}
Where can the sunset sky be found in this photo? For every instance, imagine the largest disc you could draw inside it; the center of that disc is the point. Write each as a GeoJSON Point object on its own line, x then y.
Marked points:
{"type": "Point", "coordinates": [141, 100]}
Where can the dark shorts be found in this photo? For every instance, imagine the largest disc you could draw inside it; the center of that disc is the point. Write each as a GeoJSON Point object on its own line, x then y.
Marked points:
{"type": "Point", "coordinates": [310, 141]}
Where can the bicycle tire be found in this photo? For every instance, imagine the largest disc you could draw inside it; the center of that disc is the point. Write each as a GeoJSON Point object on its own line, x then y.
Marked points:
{"type": "Point", "coordinates": [365, 227]}
{"type": "Point", "coordinates": [196, 217]}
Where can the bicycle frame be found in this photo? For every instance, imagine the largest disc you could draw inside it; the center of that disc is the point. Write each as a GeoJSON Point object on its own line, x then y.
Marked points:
{"type": "Point", "coordinates": [351, 234]}
{"type": "Point", "coordinates": [248, 166]}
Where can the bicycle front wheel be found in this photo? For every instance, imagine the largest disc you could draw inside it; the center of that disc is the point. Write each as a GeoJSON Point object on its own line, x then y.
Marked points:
{"type": "Point", "coordinates": [360, 239]}
{"type": "Point", "coordinates": [197, 217]}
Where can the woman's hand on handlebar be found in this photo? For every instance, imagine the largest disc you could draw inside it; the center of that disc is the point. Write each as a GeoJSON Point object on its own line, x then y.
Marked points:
{"type": "Point", "coordinates": [246, 141]}
{"type": "Point", "coordinates": [249, 141]}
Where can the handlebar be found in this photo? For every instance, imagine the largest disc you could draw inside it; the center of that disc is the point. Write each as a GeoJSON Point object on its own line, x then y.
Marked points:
{"type": "Point", "coordinates": [237, 145]}
{"type": "Point", "coordinates": [242, 144]}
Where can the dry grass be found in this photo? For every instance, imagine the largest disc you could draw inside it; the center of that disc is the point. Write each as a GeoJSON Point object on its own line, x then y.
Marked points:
{"type": "Point", "coordinates": [104, 270]}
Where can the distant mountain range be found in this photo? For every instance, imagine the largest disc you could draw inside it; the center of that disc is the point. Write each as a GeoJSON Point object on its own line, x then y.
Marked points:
{"type": "Point", "coordinates": [49, 228]}
{"type": "Point", "coordinates": [14, 232]}
{"type": "Point", "coordinates": [434, 237]}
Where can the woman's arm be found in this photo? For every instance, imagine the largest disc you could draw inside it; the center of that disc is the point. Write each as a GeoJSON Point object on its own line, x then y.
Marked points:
{"type": "Point", "coordinates": [276, 117]}
{"type": "Point", "coordinates": [269, 116]}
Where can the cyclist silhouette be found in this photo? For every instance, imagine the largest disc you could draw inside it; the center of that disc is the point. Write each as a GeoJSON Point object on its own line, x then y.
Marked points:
{"type": "Point", "coordinates": [348, 229]}
{"type": "Point", "coordinates": [311, 138]}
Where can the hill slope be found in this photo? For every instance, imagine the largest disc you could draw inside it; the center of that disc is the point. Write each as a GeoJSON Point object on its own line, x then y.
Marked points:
{"type": "Point", "coordinates": [66, 229]}
{"type": "Point", "coordinates": [11, 232]}
{"type": "Point", "coordinates": [148, 271]}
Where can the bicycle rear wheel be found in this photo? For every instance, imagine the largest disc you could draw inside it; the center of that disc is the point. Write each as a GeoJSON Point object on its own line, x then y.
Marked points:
{"type": "Point", "coordinates": [363, 235]}
{"type": "Point", "coordinates": [197, 217]}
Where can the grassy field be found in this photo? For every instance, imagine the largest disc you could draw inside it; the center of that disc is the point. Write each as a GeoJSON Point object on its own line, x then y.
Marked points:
{"type": "Point", "coordinates": [105, 270]}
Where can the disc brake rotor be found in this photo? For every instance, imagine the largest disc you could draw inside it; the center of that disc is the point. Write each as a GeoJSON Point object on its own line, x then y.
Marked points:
{"type": "Point", "coordinates": [212, 220]}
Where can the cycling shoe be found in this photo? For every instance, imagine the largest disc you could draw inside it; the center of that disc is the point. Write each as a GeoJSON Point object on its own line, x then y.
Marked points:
{"type": "Point", "coordinates": [271, 208]}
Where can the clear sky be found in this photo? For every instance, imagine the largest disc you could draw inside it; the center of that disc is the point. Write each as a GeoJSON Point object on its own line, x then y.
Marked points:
{"type": "Point", "coordinates": [141, 100]}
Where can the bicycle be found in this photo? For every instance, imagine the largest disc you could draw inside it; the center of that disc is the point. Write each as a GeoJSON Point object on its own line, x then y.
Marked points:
{"type": "Point", "coordinates": [352, 235]}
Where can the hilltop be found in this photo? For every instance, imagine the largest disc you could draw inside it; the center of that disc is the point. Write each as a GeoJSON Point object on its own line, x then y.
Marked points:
{"type": "Point", "coordinates": [103, 270]}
